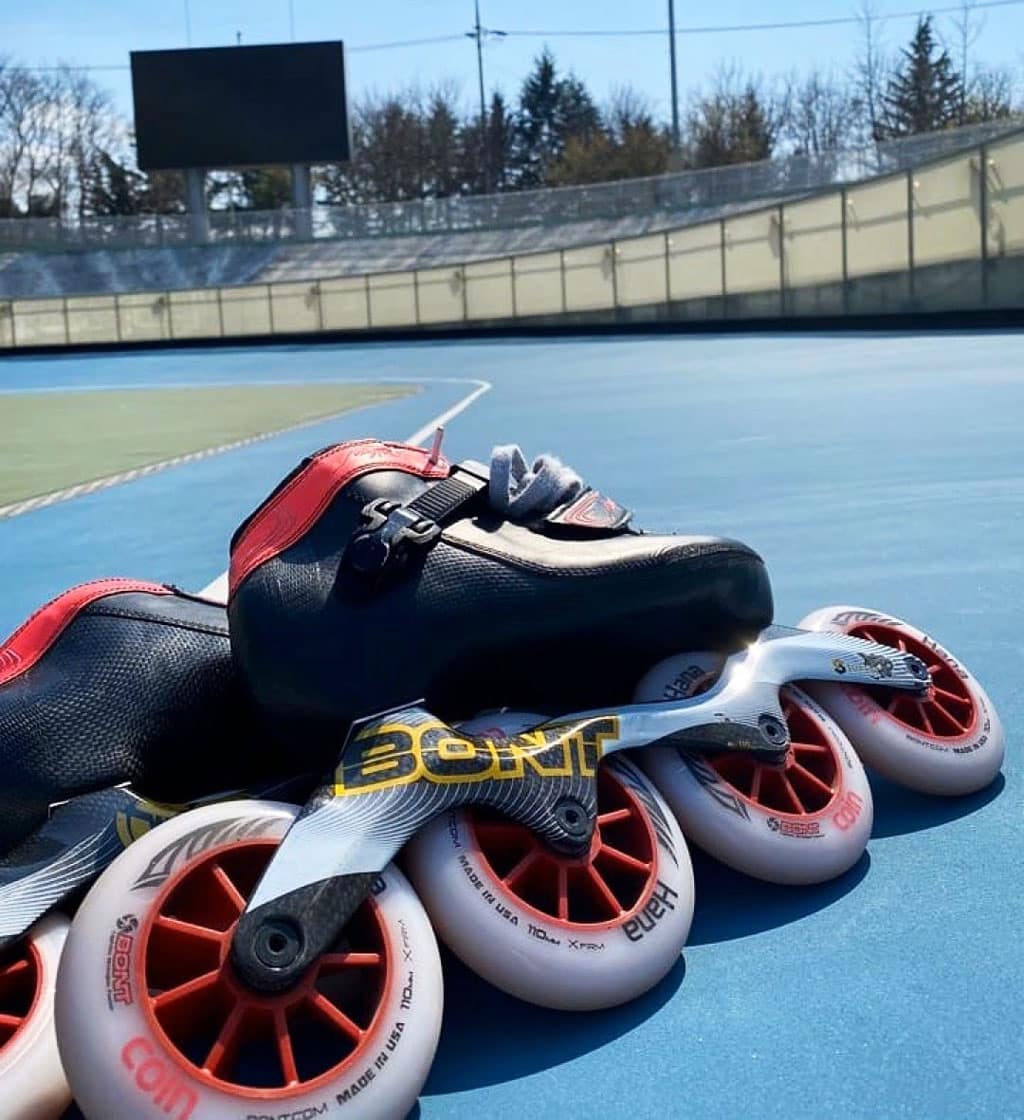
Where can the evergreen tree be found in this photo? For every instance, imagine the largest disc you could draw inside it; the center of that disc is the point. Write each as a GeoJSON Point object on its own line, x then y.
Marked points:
{"type": "Point", "coordinates": [500, 141]}
{"type": "Point", "coordinates": [268, 188]}
{"type": "Point", "coordinates": [925, 92]}
{"type": "Point", "coordinates": [111, 188]}
{"type": "Point", "coordinates": [536, 127]}
{"type": "Point", "coordinates": [441, 170]}
{"type": "Point", "coordinates": [487, 164]}
{"type": "Point", "coordinates": [735, 123]}
{"type": "Point", "coordinates": [552, 110]}
{"type": "Point", "coordinates": [628, 146]}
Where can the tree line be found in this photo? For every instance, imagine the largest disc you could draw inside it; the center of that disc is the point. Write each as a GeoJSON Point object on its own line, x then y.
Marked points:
{"type": "Point", "coordinates": [65, 152]}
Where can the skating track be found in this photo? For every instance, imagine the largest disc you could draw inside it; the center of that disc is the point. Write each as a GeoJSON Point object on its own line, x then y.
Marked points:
{"type": "Point", "coordinates": [884, 470]}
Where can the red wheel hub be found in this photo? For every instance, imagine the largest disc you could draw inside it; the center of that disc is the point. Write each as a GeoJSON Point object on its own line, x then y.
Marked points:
{"type": "Point", "coordinates": [222, 1031]}
{"type": "Point", "coordinates": [20, 979]}
{"type": "Point", "coordinates": [805, 783]}
{"type": "Point", "coordinates": [948, 710]}
{"type": "Point", "coordinates": [601, 888]}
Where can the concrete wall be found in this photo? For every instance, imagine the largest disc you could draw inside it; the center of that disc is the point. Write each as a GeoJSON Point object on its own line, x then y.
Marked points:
{"type": "Point", "coordinates": [944, 236]}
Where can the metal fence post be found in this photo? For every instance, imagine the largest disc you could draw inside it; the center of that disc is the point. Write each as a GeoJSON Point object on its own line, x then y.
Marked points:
{"type": "Point", "coordinates": [614, 259]}
{"type": "Point", "coordinates": [721, 253]}
{"type": "Point", "coordinates": [910, 235]}
{"type": "Point", "coordinates": [983, 204]}
{"type": "Point", "coordinates": [780, 218]}
{"type": "Point", "coordinates": [844, 203]}
{"type": "Point", "coordinates": [561, 270]}
{"type": "Point", "coordinates": [667, 240]}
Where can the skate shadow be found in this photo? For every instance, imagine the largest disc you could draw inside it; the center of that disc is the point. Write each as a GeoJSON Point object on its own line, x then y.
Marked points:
{"type": "Point", "coordinates": [509, 1039]}
{"type": "Point", "coordinates": [899, 810]}
{"type": "Point", "coordinates": [731, 905]}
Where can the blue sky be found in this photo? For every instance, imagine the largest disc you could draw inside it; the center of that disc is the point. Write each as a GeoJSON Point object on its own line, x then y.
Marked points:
{"type": "Point", "coordinates": [102, 32]}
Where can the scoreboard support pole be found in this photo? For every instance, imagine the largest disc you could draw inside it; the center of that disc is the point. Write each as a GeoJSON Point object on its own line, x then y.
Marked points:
{"type": "Point", "coordinates": [302, 201]}
{"type": "Point", "coordinates": [195, 202]}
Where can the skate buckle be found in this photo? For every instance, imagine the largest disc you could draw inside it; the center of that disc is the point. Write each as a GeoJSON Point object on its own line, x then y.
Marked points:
{"type": "Point", "coordinates": [388, 529]}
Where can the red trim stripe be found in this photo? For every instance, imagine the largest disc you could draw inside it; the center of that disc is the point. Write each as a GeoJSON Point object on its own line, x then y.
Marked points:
{"type": "Point", "coordinates": [290, 513]}
{"type": "Point", "coordinates": [38, 633]}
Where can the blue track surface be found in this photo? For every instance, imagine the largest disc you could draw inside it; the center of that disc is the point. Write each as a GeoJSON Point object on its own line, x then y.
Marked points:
{"type": "Point", "coordinates": [883, 470]}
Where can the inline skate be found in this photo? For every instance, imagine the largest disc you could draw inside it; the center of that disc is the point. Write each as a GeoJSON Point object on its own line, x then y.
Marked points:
{"type": "Point", "coordinates": [276, 958]}
{"type": "Point", "coordinates": [117, 700]}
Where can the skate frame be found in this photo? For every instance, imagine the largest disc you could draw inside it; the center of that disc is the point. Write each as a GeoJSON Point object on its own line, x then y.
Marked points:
{"type": "Point", "coordinates": [398, 771]}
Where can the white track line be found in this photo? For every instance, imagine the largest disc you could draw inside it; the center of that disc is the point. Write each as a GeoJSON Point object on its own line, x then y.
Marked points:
{"type": "Point", "coordinates": [41, 501]}
{"type": "Point", "coordinates": [218, 589]}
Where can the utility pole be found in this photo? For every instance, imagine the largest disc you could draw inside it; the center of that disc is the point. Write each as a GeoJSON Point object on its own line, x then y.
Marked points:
{"type": "Point", "coordinates": [675, 84]}
{"type": "Point", "coordinates": [479, 33]}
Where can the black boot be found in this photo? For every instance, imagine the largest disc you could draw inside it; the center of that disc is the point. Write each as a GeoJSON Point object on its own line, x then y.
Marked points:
{"type": "Point", "coordinates": [377, 574]}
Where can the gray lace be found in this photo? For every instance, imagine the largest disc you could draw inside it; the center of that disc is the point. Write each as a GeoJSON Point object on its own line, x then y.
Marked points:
{"type": "Point", "coordinates": [520, 492]}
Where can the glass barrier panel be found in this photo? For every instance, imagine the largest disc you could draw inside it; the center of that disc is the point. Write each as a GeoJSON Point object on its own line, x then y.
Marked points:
{"type": "Point", "coordinates": [489, 290]}
{"type": "Point", "coordinates": [589, 278]}
{"type": "Point", "coordinates": [813, 241]}
{"type": "Point", "coordinates": [92, 319]}
{"type": "Point", "coordinates": [39, 322]}
{"type": "Point", "coordinates": [877, 234]}
{"type": "Point", "coordinates": [6, 324]}
{"type": "Point", "coordinates": [538, 284]}
{"type": "Point", "coordinates": [641, 273]}
{"type": "Point", "coordinates": [144, 316]}
{"type": "Point", "coordinates": [295, 306]}
{"type": "Point", "coordinates": [752, 251]}
{"type": "Point", "coordinates": [695, 262]}
{"type": "Point", "coordinates": [393, 300]}
{"type": "Point", "coordinates": [947, 211]}
{"type": "Point", "coordinates": [1005, 180]}
{"type": "Point", "coordinates": [344, 304]}
{"type": "Point", "coordinates": [195, 314]}
{"type": "Point", "coordinates": [440, 293]}
{"type": "Point", "coordinates": [246, 310]}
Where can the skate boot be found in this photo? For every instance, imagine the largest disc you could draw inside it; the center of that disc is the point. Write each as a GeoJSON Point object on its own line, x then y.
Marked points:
{"type": "Point", "coordinates": [113, 694]}
{"type": "Point", "coordinates": [379, 574]}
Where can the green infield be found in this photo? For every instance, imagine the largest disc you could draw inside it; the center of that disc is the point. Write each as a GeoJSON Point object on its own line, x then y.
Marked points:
{"type": "Point", "coordinates": [50, 441]}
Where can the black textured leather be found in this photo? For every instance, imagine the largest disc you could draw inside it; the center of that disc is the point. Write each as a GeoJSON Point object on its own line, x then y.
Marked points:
{"type": "Point", "coordinates": [493, 614]}
{"type": "Point", "coordinates": [138, 687]}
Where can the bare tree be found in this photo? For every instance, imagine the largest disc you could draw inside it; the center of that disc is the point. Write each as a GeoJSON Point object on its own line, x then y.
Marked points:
{"type": "Point", "coordinates": [969, 24]}
{"type": "Point", "coordinates": [53, 125]}
{"type": "Point", "coordinates": [23, 152]}
{"type": "Point", "coordinates": [871, 71]}
{"type": "Point", "coordinates": [823, 114]}
{"type": "Point", "coordinates": [739, 120]}
{"type": "Point", "coordinates": [992, 94]}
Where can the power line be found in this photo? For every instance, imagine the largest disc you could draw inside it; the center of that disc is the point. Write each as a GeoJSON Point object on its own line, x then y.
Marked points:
{"type": "Point", "coordinates": [780, 25]}
{"type": "Point", "coordinates": [621, 33]}
{"type": "Point", "coordinates": [417, 42]}
{"type": "Point", "coordinates": [398, 43]}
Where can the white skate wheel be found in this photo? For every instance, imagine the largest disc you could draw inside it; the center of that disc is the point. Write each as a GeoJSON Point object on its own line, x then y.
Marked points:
{"type": "Point", "coordinates": [803, 821]}
{"type": "Point", "coordinates": [32, 1082]}
{"type": "Point", "coordinates": [152, 1020]}
{"type": "Point", "coordinates": [949, 742]}
{"type": "Point", "coordinates": [575, 934]}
